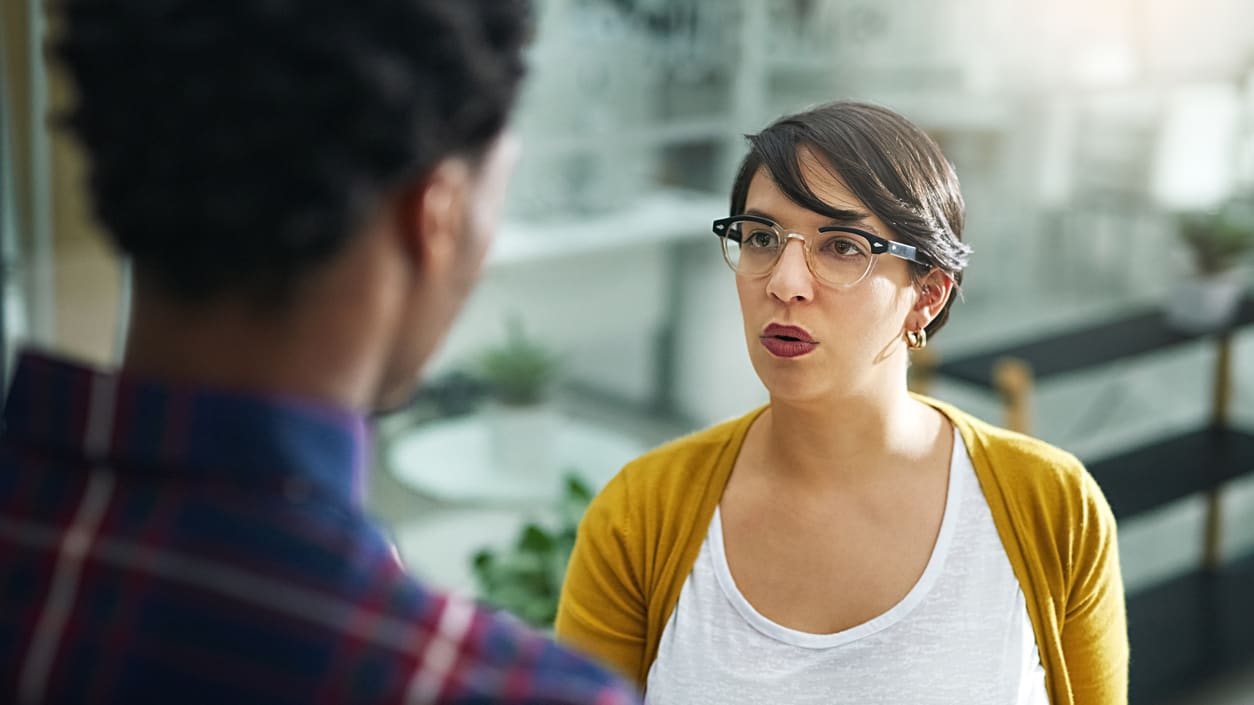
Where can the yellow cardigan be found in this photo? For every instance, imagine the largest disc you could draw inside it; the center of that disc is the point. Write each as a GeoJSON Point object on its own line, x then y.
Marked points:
{"type": "Point", "coordinates": [641, 535]}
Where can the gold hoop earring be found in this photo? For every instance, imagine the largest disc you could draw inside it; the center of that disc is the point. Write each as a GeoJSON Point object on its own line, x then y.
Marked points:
{"type": "Point", "coordinates": [916, 339]}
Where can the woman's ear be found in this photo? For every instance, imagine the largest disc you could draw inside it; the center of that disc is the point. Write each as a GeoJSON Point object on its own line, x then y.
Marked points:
{"type": "Point", "coordinates": [934, 290]}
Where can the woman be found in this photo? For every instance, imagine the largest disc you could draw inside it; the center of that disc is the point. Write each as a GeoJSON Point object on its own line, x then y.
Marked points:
{"type": "Point", "coordinates": [850, 542]}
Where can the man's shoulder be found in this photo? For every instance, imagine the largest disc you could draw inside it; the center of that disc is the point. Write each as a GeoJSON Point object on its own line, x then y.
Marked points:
{"type": "Point", "coordinates": [388, 635]}
{"type": "Point", "coordinates": [460, 651]}
{"type": "Point", "coordinates": [319, 594]}
{"type": "Point", "coordinates": [441, 646]}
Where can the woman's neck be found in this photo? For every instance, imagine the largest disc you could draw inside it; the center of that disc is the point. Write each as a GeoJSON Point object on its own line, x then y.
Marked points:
{"type": "Point", "coordinates": [847, 440]}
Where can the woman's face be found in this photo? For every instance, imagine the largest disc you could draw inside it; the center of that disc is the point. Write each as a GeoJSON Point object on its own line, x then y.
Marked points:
{"type": "Point", "coordinates": [848, 338]}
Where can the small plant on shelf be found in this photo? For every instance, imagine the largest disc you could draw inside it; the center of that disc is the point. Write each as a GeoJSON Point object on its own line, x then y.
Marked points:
{"type": "Point", "coordinates": [526, 580]}
{"type": "Point", "coordinates": [519, 372]}
{"type": "Point", "coordinates": [1219, 240]}
{"type": "Point", "coordinates": [523, 427]}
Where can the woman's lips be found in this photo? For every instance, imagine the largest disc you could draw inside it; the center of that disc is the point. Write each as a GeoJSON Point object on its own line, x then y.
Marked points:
{"type": "Point", "coordinates": [787, 348]}
{"type": "Point", "coordinates": [787, 341]}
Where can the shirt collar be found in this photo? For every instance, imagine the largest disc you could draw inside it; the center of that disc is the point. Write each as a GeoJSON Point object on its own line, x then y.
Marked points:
{"type": "Point", "coordinates": [135, 424]}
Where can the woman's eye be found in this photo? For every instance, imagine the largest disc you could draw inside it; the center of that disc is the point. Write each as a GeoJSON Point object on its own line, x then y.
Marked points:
{"type": "Point", "coordinates": [844, 247]}
{"type": "Point", "coordinates": [762, 239]}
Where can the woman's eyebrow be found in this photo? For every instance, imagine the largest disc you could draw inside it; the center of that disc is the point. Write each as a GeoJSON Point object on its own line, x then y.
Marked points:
{"type": "Point", "coordinates": [842, 216]}
{"type": "Point", "coordinates": [839, 217]}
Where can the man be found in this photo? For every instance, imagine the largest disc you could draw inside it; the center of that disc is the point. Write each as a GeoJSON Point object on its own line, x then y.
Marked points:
{"type": "Point", "coordinates": [306, 189]}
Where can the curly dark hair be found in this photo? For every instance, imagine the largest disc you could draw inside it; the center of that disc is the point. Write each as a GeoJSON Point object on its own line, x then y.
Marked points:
{"type": "Point", "coordinates": [890, 164]}
{"type": "Point", "coordinates": [235, 145]}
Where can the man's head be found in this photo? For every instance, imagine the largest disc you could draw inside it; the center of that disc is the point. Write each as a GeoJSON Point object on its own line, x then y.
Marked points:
{"type": "Point", "coordinates": [239, 149]}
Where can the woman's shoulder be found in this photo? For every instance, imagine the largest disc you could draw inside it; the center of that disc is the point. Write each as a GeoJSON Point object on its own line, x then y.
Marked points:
{"type": "Point", "coordinates": [1028, 470]}
{"type": "Point", "coordinates": [700, 445]}
{"type": "Point", "coordinates": [1021, 450]}
{"type": "Point", "coordinates": [684, 460]}
{"type": "Point", "coordinates": [982, 437]}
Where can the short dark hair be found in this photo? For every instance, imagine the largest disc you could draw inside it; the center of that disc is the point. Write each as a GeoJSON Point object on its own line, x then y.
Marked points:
{"type": "Point", "coordinates": [236, 145]}
{"type": "Point", "coordinates": [890, 164]}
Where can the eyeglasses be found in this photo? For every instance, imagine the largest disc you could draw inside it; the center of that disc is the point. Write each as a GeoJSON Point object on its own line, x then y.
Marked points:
{"type": "Point", "coordinates": [839, 256]}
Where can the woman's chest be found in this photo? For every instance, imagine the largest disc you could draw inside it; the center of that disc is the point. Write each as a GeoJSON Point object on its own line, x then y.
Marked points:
{"type": "Point", "coordinates": [971, 660]}
{"type": "Point", "coordinates": [824, 564]}
{"type": "Point", "coordinates": [960, 633]}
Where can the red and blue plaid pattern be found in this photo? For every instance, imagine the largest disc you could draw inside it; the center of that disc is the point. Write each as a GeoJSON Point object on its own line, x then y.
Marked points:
{"type": "Point", "coordinates": [179, 545]}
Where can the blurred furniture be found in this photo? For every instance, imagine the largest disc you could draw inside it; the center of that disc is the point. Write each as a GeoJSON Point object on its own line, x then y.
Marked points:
{"type": "Point", "coordinates": [451, 460]}
{"type": "Point", "coordinates": [1197, 624]}
{"type": "Point", "coordinates": [440, 547]}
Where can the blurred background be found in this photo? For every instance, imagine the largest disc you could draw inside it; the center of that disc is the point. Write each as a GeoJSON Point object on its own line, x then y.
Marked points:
{"type": "Point", "coordinates": [1106, 153]}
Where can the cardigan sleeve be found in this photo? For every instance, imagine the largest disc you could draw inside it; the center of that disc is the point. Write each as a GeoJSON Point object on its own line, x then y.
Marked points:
{"type": "Point", "coordinates": [602, 609]}
{"type": "Point", "coordinates": [1094, 629]}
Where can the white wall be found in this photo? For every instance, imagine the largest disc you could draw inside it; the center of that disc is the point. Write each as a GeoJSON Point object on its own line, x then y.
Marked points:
{"type": "Point", "coordinates": [713, 377]}
{"type": "Point", "coordinates": [601, 311]}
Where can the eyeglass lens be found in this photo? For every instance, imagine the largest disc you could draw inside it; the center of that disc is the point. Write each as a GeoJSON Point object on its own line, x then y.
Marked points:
{"type": "Point", "coordinates": [838, 258]}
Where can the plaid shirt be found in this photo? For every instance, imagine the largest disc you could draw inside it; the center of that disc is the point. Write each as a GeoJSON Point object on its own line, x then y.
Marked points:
{"type": "Point", "coordinates": [179, 545]}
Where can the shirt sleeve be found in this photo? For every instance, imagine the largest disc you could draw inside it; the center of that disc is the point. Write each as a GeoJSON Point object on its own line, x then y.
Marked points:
{"type": "Point", "coordinates": [603, 608]}
{"type": "Point", "coordinates": [1095, 629]}
{"type": "Point", "coordinates": [499, 659]}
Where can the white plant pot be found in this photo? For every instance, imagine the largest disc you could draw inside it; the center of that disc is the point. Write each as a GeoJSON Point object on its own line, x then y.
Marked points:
{"type": "Point", "coordinates": [523, 440]}
{"type": "Point", "coordinates": [1205, 304]}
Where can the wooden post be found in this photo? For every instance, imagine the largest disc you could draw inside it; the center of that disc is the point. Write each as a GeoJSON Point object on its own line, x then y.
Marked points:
{"type": "Point", "coordinates": [1013, 379]}
{"type": "Point", "coordinates": [1212, 549]}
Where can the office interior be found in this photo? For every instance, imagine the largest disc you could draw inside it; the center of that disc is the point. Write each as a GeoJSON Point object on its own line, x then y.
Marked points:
{"type": "Point", "coordinates": [1085, 134]}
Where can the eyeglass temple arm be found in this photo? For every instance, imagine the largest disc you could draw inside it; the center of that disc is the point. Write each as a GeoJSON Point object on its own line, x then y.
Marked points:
{"type": "Point", "coordinates": [902, 250]}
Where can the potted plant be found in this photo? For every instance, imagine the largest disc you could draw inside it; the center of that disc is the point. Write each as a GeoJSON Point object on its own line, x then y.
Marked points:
{"type": "Point", "coordinates": [519, 374]}
{"type": "Point", "coordinates": [1219, 242]}
{"type": "Point", "coordinates": [526, 580]}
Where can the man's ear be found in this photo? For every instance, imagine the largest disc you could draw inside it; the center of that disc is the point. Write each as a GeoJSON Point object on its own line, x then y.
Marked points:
{"type": "Point", "coordinates": [433, 216]}
{"type": "Point", "coordinates": [934, 289]}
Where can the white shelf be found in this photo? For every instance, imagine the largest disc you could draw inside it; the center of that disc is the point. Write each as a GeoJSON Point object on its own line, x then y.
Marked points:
{"type": "Point", "coordinates": [790, 63]}
{"type": "Point", "coordinates": [451, 460]}
{"type": "Point", "coordinates": [660, 217]}
{"type": "Point", "coordinates": [659, 135]}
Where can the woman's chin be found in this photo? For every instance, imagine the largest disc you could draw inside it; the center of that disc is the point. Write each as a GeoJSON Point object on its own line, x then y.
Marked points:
{"type": "Point", "coordinates": [797, 386]}
{"type": "Point", "coordinates": [794, 388]}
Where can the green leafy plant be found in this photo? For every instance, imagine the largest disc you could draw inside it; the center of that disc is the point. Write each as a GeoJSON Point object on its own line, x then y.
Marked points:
{"type": "Point", "coordinates": [1219, 240]}
{"type": "Point", "coordinates": [526, 580]}
{"type": "Point", "coordinates": [519, 371]}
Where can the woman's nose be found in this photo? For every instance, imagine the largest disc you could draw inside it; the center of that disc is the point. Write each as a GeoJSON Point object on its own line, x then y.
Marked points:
{"type": "Point", "coordinates": [792, 279]}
